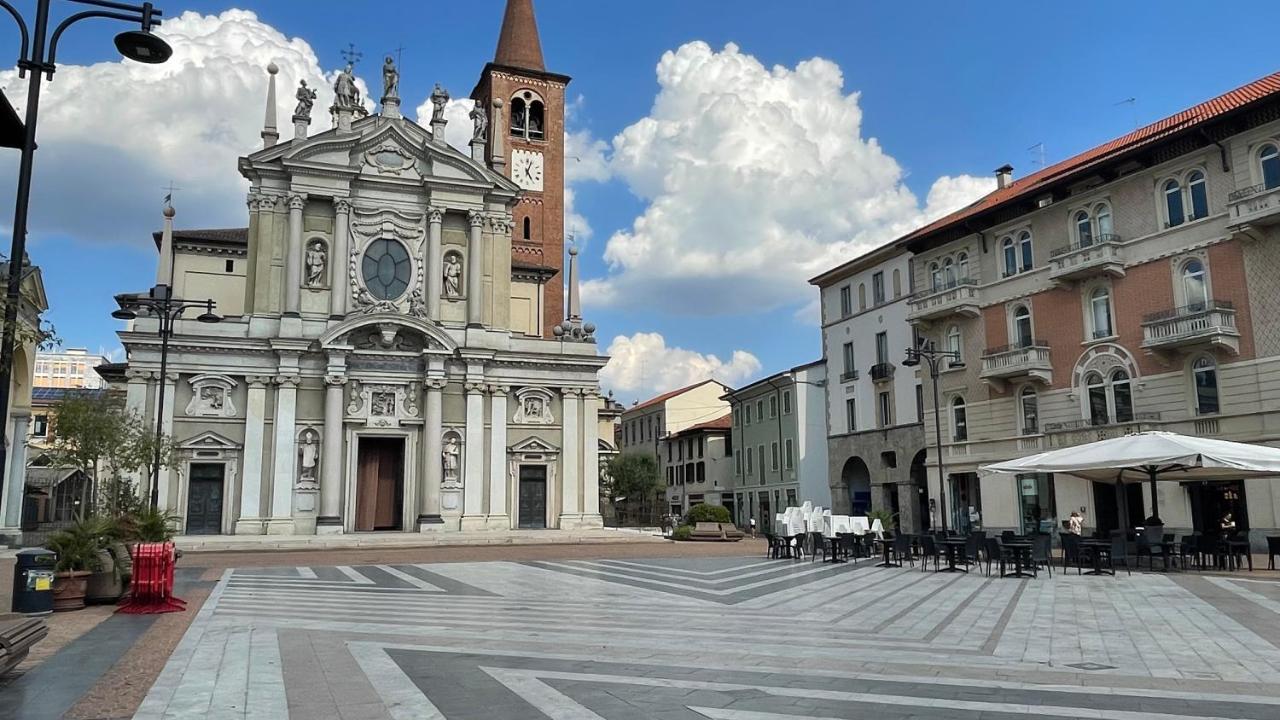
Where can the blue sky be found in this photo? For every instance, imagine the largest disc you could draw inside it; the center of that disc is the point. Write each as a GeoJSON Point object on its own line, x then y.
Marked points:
{"type": "Point", "coordinates": [944, 89]}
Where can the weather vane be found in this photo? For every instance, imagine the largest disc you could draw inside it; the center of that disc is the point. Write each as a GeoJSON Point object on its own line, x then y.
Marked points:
{"type": "Point", "coordinates": [168, 198]}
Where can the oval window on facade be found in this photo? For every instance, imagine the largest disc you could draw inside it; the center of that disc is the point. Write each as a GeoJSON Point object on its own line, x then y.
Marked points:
{"type": "Point", "coordinates": [386, 269]}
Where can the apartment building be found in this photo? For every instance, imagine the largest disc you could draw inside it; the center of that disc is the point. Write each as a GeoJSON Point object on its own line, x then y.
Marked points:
{"type": "Point", "coordinates": [1134, 286]}
{"type": "Point", "coordinates": [70, 368]}
{"type": "Point", "coordinates": [780, 443]}
{"type": "Point", "coordinates": [875, 443]}
{"type": "Point", "coordinates": [698, 461]}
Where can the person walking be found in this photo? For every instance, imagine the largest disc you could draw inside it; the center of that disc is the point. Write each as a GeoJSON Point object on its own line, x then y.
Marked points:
{"type": "Point", "coordinates": [753, 528]}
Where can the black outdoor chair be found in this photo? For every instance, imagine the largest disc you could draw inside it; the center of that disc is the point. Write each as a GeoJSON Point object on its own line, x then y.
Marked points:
{"type": "Point", "coordinates": [817, 544]}
{"type": "Point", "coordinates": [972, 550]}
{"type": "Point", "coordinates": [1119, 553]}
{"type": "Point", "coordinates": [1273, 549]}
{"type": "Point", "coordinates": [1071, 552]}
{"type": "Point", "coordinates": [1042, 553]}
{"type": "Point", "coordinates": [995, 554]}
{"type": "Point", "coordinates": [901, 550]}
{"type": "Point", "coordinates": [1008, 536]}
{"type": "Point", "coordinates": [1151, 544]}
{"type": "Point", "coordinates": [1189, 552]}
{"type": "Point", "coordinates": [929, 550]}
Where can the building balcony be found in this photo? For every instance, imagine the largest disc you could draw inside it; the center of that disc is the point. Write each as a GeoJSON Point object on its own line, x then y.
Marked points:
{"type": "Point", "coordinates": [1013, 362]}
{"type": "Point", "coordinates": [1079, 432]}
{"type": "Point", "coordinates": [1102, 256]}
{"type": "Point", "coordinates": [882, 372]}
{"type": "Point", "coordinates": [1254, 205]}
{"type": "Point", "coordinates": [1203, 325]}
{"type": "Point", "coordinates": [848, 376]}
{"type": "Point", "coordinates": [957, 298]}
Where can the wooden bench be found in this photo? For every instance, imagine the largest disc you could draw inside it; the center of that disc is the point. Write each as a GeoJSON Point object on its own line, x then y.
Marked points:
{"type": "Point", "coordinates": [715, 532]}
{"type": "Point", "coordinates": [17, 635]}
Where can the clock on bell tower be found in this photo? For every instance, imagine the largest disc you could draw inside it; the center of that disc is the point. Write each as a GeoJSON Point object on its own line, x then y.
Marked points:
{"type": "Point", "coordinates": [525, 103]}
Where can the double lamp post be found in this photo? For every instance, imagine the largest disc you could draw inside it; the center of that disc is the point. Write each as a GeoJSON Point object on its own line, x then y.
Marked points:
{"type": "Point", "coordinates": [928, 353]}
{"type": "Point", "coordinates": [37, 60]}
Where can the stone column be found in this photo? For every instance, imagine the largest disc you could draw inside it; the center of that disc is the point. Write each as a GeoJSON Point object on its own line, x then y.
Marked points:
{"type": "Point", "coordinates": [332, 470]}
{"type": "Point", "coordinates": [293, 260]}
{"type": "Point", "coordinates": [570, 459]}
{"type": "Point", "coordinates": [255, 413]}
{"type": "Point", "coordinates": [473, 510]}
{"type": "Point", "coordinates": [498, 519]}
{"type": "Point", "coordinates": [170, 381]}
{"type": "Point", "coordinates": [16, 477]}
{"type": "Point", "coordinates": [433, 263]}
{"type": "Point", "coordinates": [135, 404]}
{"type": "Point", "coordinates": [475, 270]}
{"type": "Point", "coordinates": [340, 257]}
{"type": "Point", "coordinates": [285, 452]}
{"type": "Point", "coordinates": [432, 460]}
{"type": "Point", "coordinates": [591, 460]}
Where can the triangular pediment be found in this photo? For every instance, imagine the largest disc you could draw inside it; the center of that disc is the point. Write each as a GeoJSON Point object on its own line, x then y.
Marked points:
{"type": "Point", "coordinates": [209, 440]}
{"type": "Point", "coordinates": [534, 445]}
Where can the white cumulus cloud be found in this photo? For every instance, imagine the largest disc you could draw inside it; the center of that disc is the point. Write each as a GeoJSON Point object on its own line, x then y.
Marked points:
{"type": "Point", "coordinates": [642, 365]}
{"type": "Point", "coordinates": [139, 127]}
{"type": "Point", "coordinates": [756, 179]}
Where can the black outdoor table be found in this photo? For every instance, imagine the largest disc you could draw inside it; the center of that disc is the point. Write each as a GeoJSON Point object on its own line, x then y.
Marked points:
{"type": "Point", "coordinates": [834, 555]}
{"type": "Point", "coordinates": [1021, 552]}
{"type": "Point", "coordinates": [1098, 548]}
{"type": "Point", "coordinates": [886, 545]}
{"type": "Point", "coordinates": [954, 547]}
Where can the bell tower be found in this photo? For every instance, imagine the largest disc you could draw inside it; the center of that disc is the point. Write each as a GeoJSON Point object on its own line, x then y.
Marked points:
{"type": "Point", "coordinates": [525, 104]}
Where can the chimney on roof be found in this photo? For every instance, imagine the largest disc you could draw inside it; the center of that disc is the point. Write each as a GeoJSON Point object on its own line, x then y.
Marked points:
{"type": "Point", "coordinates": [1004, 176]}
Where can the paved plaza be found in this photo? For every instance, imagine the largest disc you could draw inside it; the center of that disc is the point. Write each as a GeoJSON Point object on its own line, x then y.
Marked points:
{"type": "Point", "coordinates": [721, 638]}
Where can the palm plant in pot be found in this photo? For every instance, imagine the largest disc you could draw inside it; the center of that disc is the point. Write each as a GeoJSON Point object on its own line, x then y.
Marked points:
{"type": "Point", "coordinates": [77, 548]}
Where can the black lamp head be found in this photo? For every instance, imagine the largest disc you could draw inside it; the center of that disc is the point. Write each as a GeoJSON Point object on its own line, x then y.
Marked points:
{"type": "Point", "coordinates": [143, 46]}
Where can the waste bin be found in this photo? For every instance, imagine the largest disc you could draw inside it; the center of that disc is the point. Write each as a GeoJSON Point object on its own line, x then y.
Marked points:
{"type": "Point", "coordinates": [33, 581]}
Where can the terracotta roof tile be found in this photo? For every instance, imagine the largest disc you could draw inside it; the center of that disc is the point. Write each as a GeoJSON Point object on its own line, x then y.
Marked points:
{"type": "Point", "coordinates": [666, 396]}
{"type": "Point", "coordinates": [1178, 122]}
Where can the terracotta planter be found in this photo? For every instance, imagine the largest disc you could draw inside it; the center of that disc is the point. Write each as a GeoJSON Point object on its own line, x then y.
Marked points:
{"type": "Point", "coordinates": [69, 589]}
{"type": "Point", "coordinates": [105, 585]}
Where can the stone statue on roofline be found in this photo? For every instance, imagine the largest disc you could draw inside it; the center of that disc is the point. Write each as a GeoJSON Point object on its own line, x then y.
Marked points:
{"type": "Point", "coordinates": [480, 123]}
{"type": "Point", "coordinates": [345, 92]}
{"type": "Point", "coordinates": [390, 79]}
{"type": "Point", "coordinates": [439, 99]}
{"type": "Point", "coordinates": [306, 100]}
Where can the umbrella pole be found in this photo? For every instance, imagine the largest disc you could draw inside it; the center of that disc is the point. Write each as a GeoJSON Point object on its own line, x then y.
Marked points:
{"type": "Point", "coordinates": [1152, 472]}
{"type": "Point", "coordinates": [1122, 503]}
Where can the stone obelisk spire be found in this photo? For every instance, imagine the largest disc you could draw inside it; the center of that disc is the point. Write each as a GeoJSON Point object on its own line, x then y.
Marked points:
{"type": "Point", "coordinates": [269, 132]}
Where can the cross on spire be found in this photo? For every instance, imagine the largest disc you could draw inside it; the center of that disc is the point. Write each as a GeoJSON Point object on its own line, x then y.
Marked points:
{"type": "Point", "coordinates": [398, 50]}
{"type": "Point", "coordinates": [168, 198]}
{"type": "Point", "coordinates": [351, 55]}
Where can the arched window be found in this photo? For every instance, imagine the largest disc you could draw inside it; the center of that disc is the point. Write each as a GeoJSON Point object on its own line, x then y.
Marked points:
{"type": "Point", "coordinates": [1205, 373]}
{"type": "Point", "coordinates": [1195, 289]}
{"type": "Point", "coordinates": [1029, 404]}
{"type": "Point", "coordinates": [862, 296]}
{"type": "Point", "coordinates": [537, 120]}
{"type": "Point", "coordinates": [1173, 203]}
{"type": "Point", "coordinates": [897, 284]}
{"type": "Point", "coordinates": [1010, 256]}
{"type": "Point", "coordinates": [527, 227]}
{"type": "Point", "coordinates": [1100, 312]}
{"type": "Point", "coordinates": [1097, 395]}
{"type": "Point", "coordinates": [962, 266]}
{"type": "Point", "coordinates": [1022, 326]}
{"type": "Point", "coordinates": [1084, 229]}
{"type": "Point", "coordinates": [1121, 396]}
{"type": "Point", "coordinates": [1024, 243]}
{"type": "Point", "coordinates": [935, 277]}
{"type": "Point", "coordinates": [954, 344]}
{"type": "Point", "coordinates": [519, 117]}
{"type": "Point", "coordinates": [1269, 160]}
{"type": "Point", "coordinates": [1198, 190]}
{"type": "Point", "coordinates": [949, 273]}
{"type": "Point", "coordinates": [959, 420]}
{"type": "Point", "coordinates": [1102, 215]}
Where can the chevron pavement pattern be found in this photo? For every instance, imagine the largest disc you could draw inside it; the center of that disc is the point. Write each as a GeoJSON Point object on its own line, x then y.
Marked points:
{"type": "Point", "coordinates": [721, 639]}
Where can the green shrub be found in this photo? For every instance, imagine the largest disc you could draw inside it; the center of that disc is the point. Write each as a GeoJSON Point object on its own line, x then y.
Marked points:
{"type": "Point", "coordinates": [886, 518]}
{"type": "Point", "coordinates": [77, 546]}
{"type": "Point", "coordinates": [707, 513]}
{"type": "Point", "coordinates": [149, 525]}
{"type": "Point", "coordinates": [682, 533]}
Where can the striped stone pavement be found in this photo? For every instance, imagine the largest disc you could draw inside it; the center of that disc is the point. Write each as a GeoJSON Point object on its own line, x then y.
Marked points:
{"type": "Point", "coordinates": [721, 638]}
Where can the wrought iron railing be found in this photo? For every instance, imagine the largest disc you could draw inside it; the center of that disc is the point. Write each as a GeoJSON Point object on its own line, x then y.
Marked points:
{"type": "Point", "coordinates": [1001, 349]}
{"type": "Point", "coordinates": [1086, 423]}
{"type": "Point", "coordinates": [848, 376]}
{"type": "Point", "coordinates": [1101, 239]}
{"type": "Point", "coordinates": [1187, 310]}
{"type": "Point", "coordinates": [943, 287]}
{"type": "Point", "coordinates": [1247, 192]}
{"type": "Point", "coordinates": [882, 371]}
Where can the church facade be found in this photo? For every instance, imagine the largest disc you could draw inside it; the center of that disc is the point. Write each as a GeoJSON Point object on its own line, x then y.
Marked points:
{"type": "Point", "coordinates": [394, 353]}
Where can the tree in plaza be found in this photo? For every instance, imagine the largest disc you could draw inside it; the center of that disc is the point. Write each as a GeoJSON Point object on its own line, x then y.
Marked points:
{"type": "Point", "coordinates": [634, 482]}
{"type": "Point", "coordinates": [93, 432]}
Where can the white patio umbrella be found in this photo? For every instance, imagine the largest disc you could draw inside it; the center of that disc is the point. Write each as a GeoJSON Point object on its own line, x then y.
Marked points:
{"type": "Point", "coordinates": [1151, 456]}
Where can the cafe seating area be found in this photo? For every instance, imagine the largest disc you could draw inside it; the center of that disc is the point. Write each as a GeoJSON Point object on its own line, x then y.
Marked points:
{"type": "Point", "coordinates": [814, 534]}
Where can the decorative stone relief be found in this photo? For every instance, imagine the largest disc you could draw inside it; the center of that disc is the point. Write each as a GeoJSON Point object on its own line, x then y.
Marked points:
{"type": "Point", "coordinates": [383, 404]}
{"type": "Point", "coordinates": [388, 159]}
{"type": "Point", "coordinates": [308, 459]}
{"type": "Point", "coordinates": [211, 396]}
{"type": "Point", "coordinates": [533, 407]}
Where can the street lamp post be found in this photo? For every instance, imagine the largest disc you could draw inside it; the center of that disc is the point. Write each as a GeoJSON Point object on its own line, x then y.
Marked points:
{"type": "Point", "coordinates": [37, 54]}
{"type": "Point", "coordinates": [926, 351]}
{"type": "Point", "coordinates": [160, 304]}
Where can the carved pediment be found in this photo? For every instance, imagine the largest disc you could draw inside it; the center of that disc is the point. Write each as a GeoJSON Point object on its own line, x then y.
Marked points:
{"type": "Point", "coordinates": [389, 332]}
{"type": "Point", "coordinates": [209, 440]}
{"type": "Point", "coordinates": [533, 445]}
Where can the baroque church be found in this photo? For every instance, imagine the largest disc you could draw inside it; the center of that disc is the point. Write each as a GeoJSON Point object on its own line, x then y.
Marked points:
{"type": "Point", "coordinates": [394, 352]}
